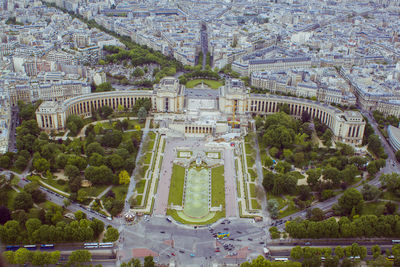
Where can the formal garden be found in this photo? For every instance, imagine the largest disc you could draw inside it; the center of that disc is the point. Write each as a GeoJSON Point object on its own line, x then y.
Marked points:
{"type": "Point", "coordinates": [197, 192]}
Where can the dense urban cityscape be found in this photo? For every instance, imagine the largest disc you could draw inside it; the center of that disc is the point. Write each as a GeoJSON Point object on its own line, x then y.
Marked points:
{"type": "Point", "coordinates": [200, 133]}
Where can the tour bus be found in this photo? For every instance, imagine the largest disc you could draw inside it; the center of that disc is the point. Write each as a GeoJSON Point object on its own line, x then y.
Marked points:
{"type": "Point", "coordinates": [106, 245]}
{"type": "Point", "coordinates": [281, 259]}
{"type": "Point", "coordinates": [46, 246]}
{"type": "Point", "coordinates": [223, 235]}
{"type": "Point", "coordinates": [30, 247]}
{"type": "Point", "coordinates": [12, 248]}
{"type": "Point", "coordinates": [91, 245]}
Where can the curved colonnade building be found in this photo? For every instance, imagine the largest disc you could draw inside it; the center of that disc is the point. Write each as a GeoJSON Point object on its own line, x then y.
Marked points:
{"type": "Point", "coordinates": [170, 97]}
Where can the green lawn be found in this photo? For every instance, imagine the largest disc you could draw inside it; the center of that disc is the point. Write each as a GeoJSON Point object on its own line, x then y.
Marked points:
{"type": "Point", "coordinates": [177, 182]}
{"type": "Point", "coordinates": [140, 186]}
{"type": "Point", "coordinates": [217, 187]}
{"type": "Point", "coordinates": [252, 190]}
{"type": "Point", "coordinates": [139, 200]}
{"type": "Point", "coordinates": [11, 194]}
{"type": "Point", "coordinates": [374, 208]}
{"type": "Point", "coordinates": [147, 158]}
{"type": "Point", "coordinates": [218, 215]}
{"type": "Point", "coordinates": [254, 204]}
{"type": "Point", "coordinates": [58, 184]}
{"type": "Point", "coordinates": [211, 83]}
{"type": "Point", "coordinates": [252, 174]}
{"type": "Point", "coordinates": [281, 201]}
{"type": "Point", "coordinates": [120, 191]}
{"type": "Point", "coordinates": [390, 196]}
{"type": "Point", "coordinates": [94, 191]}
{"type": "Point", "coordinates": [128, 135]}
{"type": "Point", "coordinates": [249, 148]}
{"type": "Point", "coordinates": [250, 161]}
{"type": "Point", "coordinates": [289, 210]}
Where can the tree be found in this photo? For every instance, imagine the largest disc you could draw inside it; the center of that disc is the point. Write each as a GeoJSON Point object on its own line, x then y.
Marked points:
{"type": "Point", "coordinates": [115, 162]}
{"type": "Point", "coordinates": [32, 225]}
{"type": "Point", "coordinates": [148, 261]}
{"type": "Point", "coordinates": [21, 163]}
{"type": "Point", "coordinates": [124, 177]}
{"type": "Point", "coordinates": [296, 253]}
{"type": "Point", "coordinates": [268, 162]}
{"type": "Point", "coordinates": [398, 155]}
{"type": "Point", "coordinates": [82, 195]}
{"type": "Point", "coordinates": [142, 114]}
{"type": "Point", "coordinates": [317, 214]}
{"type": "Point", "coordinates": [391, 182]}
{"type": "Point", "coordinates": [79, 215]}
{"type": "Point", "coordinates": [103, 87]}
{"type": "Point", "coordinates": [313, 176]}
{"type": "Point", "coordinates": [111, 235]}
{"type": "Point", "coordinates": [350, 199]}
{"type": "Point", "coordinates": [5, 214]}
{"type": "Point", "coordinates": [9, 256]}
{"type": "Point", "coordinates": [96, 160]}
{"type": "Point", "coordinates": [22, 256]}
{"type": "Point", "coordinates": [112, 139]}
{"type": "Point", "coordinates": [41, 165]}
{"type": "Point", "coordinates": [272, 206]}
{"type": "Point", "coordinates": [94, 147]}
{"type": "Point", "coordinates": [71, 171]}
{"type": "Point", "coordinates": [138, 72]}
{"type": "Point", "coordinates": [376, 251]}
{"type": "Point", "coordinates": [374, 144]}
{"type": "Point", "coordinates": [370, 192]}
{"type": "Point", "coordinates": [79, 256]}
{"type": "Point", "coordinates": [23, 201]}
{"type": "Point", "coordinates": [77, 161]}
{"type": "Point", "coordinates": [97, 226]}
{"type": "Point", "coordinates": [332, 174]}
{"type": "Point", "coordinates": [339, 252]}
{"type": "Point", "coordinates": [74, 124]}
{"type": "Point", "coordinates": [4, 162]}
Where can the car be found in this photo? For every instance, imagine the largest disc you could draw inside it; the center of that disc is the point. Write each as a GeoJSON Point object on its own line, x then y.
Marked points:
{"type": "Point", "coordinates": [168, 219]}
{"type": "Point", "coordinates": [250, 239]}
{"type": "Point", "coordinates": [172, 254]}
{"type": "Point", "coordinates": [217, 250]}
{"type": "Point", "coordinates": [307, 244]}
{"type": "Point", "coordinates": [239, 240]}
{"type": "Point", "coordinates": [163, 232]}
{"type": "Point", "coordinates": [226, 229]}
{"type": "Point", "coordinates": [238, 232]}
{"type": "Point", "coordinates": [181, 251]}
{"type": "Point", "coordinates": [261, 242]}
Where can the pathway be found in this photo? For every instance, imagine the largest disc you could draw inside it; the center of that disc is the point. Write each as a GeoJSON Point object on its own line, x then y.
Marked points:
{"type": "Point", "coordinates": [99, 196]}
{"type": "Point", "coordinates": [161, 201]}
{"type": "Point", "coordinates": [260, 174]}
{"type": "Point", "coordinates": [132, 182]}
{"type": "Point", "coordinates": [231, 206]}
{"type": "Point", "coordinates": [154, 176]}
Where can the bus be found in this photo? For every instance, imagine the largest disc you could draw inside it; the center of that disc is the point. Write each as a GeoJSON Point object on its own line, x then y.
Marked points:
{"type": "Point", "coordinates": [106, 245]}
{"type": "Point", "coordinates": [12, 248]}
{"type": "Point", "coordinates": [223, 235]}
{"type": "Point", "coordinates": [46, 246]}
{"type": "Point", "coordinates": [30, 247]}
{"type": "Point", "coordinates": [281, 259]}
{"type": "Point", "coordinates": [91, 245]}
{"type": "Point", "coordinates": [390, 258]}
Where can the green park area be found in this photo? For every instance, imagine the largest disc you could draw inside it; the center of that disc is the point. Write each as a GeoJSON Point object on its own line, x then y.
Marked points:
{"type": "Point", "coordinates": [195, 205]}
{"type": "Point", "coordinates": [210, 83]}
{"type": "Point", "coordinates": [93, 170]}
{"type": "Point", "coordinates": [177, 183]}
